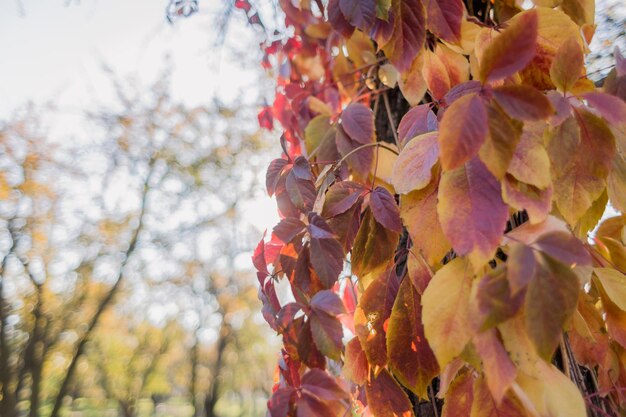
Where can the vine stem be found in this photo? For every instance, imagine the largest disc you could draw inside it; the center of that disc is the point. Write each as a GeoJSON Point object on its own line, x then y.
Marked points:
{"type": "Point", "coordinates": [391, 122]}
{"type": "Point", "coordinates": [367, 145]}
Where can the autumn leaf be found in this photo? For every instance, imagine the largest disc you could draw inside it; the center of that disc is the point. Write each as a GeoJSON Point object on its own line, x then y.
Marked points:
{"type": "Point", "coordinates": [386, 398]}
{"type": "Point", "coordinates": [445, 311]}
{"type": "Point", "coordinates": [472, 214]}
{"type": "Point", "coordinates": [413, 168]}
{"type": "Point", "coordinates": [410, 357]}
{"type": "Point", "coordinates": [444, 19]}
{"type": "Point", "coordinates": [409, 33]}
{"type": "Point", "coordinates": [371, 315]}
{"type": "Point", "coordinates": [512, 50]}
{"type": "Point", "coordinates": [418, 210]}
{"type": "Point", "coordinates": [463, 130]}
{"type": "Point", "coordinates": [567, 65]}
{"type": "Point", "coordinates": [374, 245]}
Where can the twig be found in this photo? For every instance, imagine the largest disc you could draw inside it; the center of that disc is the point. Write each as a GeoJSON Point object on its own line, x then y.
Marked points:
{"type": "Point", "coordinates": [391, 122]}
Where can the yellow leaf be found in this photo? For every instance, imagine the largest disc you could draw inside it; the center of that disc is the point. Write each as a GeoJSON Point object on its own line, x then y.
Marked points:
{"type": "Point", "coordinates": [445, 311]}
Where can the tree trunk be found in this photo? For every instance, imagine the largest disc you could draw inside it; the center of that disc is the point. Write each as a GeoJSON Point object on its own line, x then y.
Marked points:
{"type": "Point", "coordinates": [213, 396]}
{"type": "Point", "coordinates": [8, 403]}
{"type": "Point", "coordinates": [193, 383]}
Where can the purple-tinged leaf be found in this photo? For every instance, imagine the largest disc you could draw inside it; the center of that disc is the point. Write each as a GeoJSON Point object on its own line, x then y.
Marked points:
{"type": "Point", "coordinates": [338, 20]}
{"type": "Point", "coordinates": [385, 209]}
{"type": "Point", "coordinates": [328, 302]}
{"type": "Point", "coordinates": [444, 18]}
{"type": "Point", "coordinates": [359, 13]}
{"type": "Point", "coordinates": [563, 247]}
{"type": "Point", "coordinates": [302, 193]}
{"type": "Point", "coordinates": [417, 121]}
{"type": "Point", "coordinates": [327, 333]}
{"type": "Point", "coordinates": [327, 260]}
{"type": "Point", "coordinates": [302, 169]}
{"type": "Point", "coordinates": [357, 121]}
{"type": "Point", "coordinates": [273, 174]}
{"type": "Point", "coordinates": [322, 385]}
{"type": "Point", "coordinates": [340, 197]}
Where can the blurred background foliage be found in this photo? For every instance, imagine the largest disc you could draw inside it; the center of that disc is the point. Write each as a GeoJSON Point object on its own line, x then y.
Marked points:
{"type": "Point", "coordinates": [125, 280]}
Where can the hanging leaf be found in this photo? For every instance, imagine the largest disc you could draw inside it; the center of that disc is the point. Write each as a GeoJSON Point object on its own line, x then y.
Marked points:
{"type": "Point", "coordinates": [385, 397]}
{"type": "Point", "coordinates": [371, 315]}
{"type": "Point", "coordinates": [444, 19]}
{"type": "Point", "coordinates": [374, 245]}
{"type": "Point", "coordinates": [512, 50]}
{"type": "Point", "coordinates": [418, 210]}
{"type": "Point", "coordinates": [445, 311]}
{"type": "Point", "coordinates": [385, 209]}
{"type": "Point", "coordinates": [551, 299]}
{"type": "Point", "coordinates": [357, 120]}
{"type": "Point", "coordinates": [409, 33]}
{"type": "Point", "coordinates": [410, 358]}
{"type": "Point", "coordinates": [472, 214]}
{"type": "Point", "coordinates": [413, 168]}
{"type": "Point", "coordinates": [568, 65]}
{"type": "Point", "coordinates": [523, 102]}
{"type": "Point", "coordinates": [463, 130]}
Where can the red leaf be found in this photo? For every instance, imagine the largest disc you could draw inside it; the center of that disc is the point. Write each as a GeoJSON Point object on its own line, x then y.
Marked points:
{"type": "Point", "coordinates": [360, 13]}
{"type": "Point", "coordinates": [418, 120]}
{"type": "Point", "coordinates": [266, 119]}
{"type": "Point", "coordinates": [444, 18]}
{"type": "Point", "coordinates": [521, 266]}
{"type": "Point", "coordinates": [302, 169]}
{"type": "Point", "coordinates": [360, 161]}
{"type": "Point", "coordinates": [288, 228]}
{"type": "Point", "coordinates": [512, 50]}
{"type": "Point", "coordinates": [386, 398]}
{"type": "Point", "coordinates": [472, 214]}
{"type": "Point", "coordinates": [327, 260]}
{"type": "Point", "coordinates": [322, 386]}
{"type": "Point", "coordinates": [356, 367]}
{"type": "Point", "coordinates": [461, 90]}
{"type": "Point", "coordinates": [307, 349]}
{"type": "Point", "coordinates": [309, 406]}
{"type": "Point", "coordinates": [280, 402]}
{"type": "Point", "coordinates": [463, 130]}
{"type": "Point", "coordinates": [409, 33]}
{"type": "Point", "coordinates": [523, 102]}
{"type": "Point", "coordinates": [357, 121]}
{"type": "Point", "coordinates": [410, 357]}
{"type": "Point", "coordinates": [373, 310]}
{"type": "Point", "coordinates": [385, 209]}
{"type": "Point", "coordinates": [286, 315]}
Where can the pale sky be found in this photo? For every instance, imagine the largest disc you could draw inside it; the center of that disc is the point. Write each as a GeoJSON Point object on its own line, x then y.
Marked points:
{"type": "Point", "coordinates": [53, 51]}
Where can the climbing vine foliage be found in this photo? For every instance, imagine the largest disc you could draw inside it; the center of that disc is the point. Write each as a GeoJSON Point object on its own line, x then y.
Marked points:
{"type": "Point", "coordinates": [443, 251]}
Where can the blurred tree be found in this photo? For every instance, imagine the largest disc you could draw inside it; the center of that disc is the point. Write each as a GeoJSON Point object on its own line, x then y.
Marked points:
{"type": "Point", "coordinates": [128, 358]}
{"type": "Point", "coordinates": [150, 192]}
